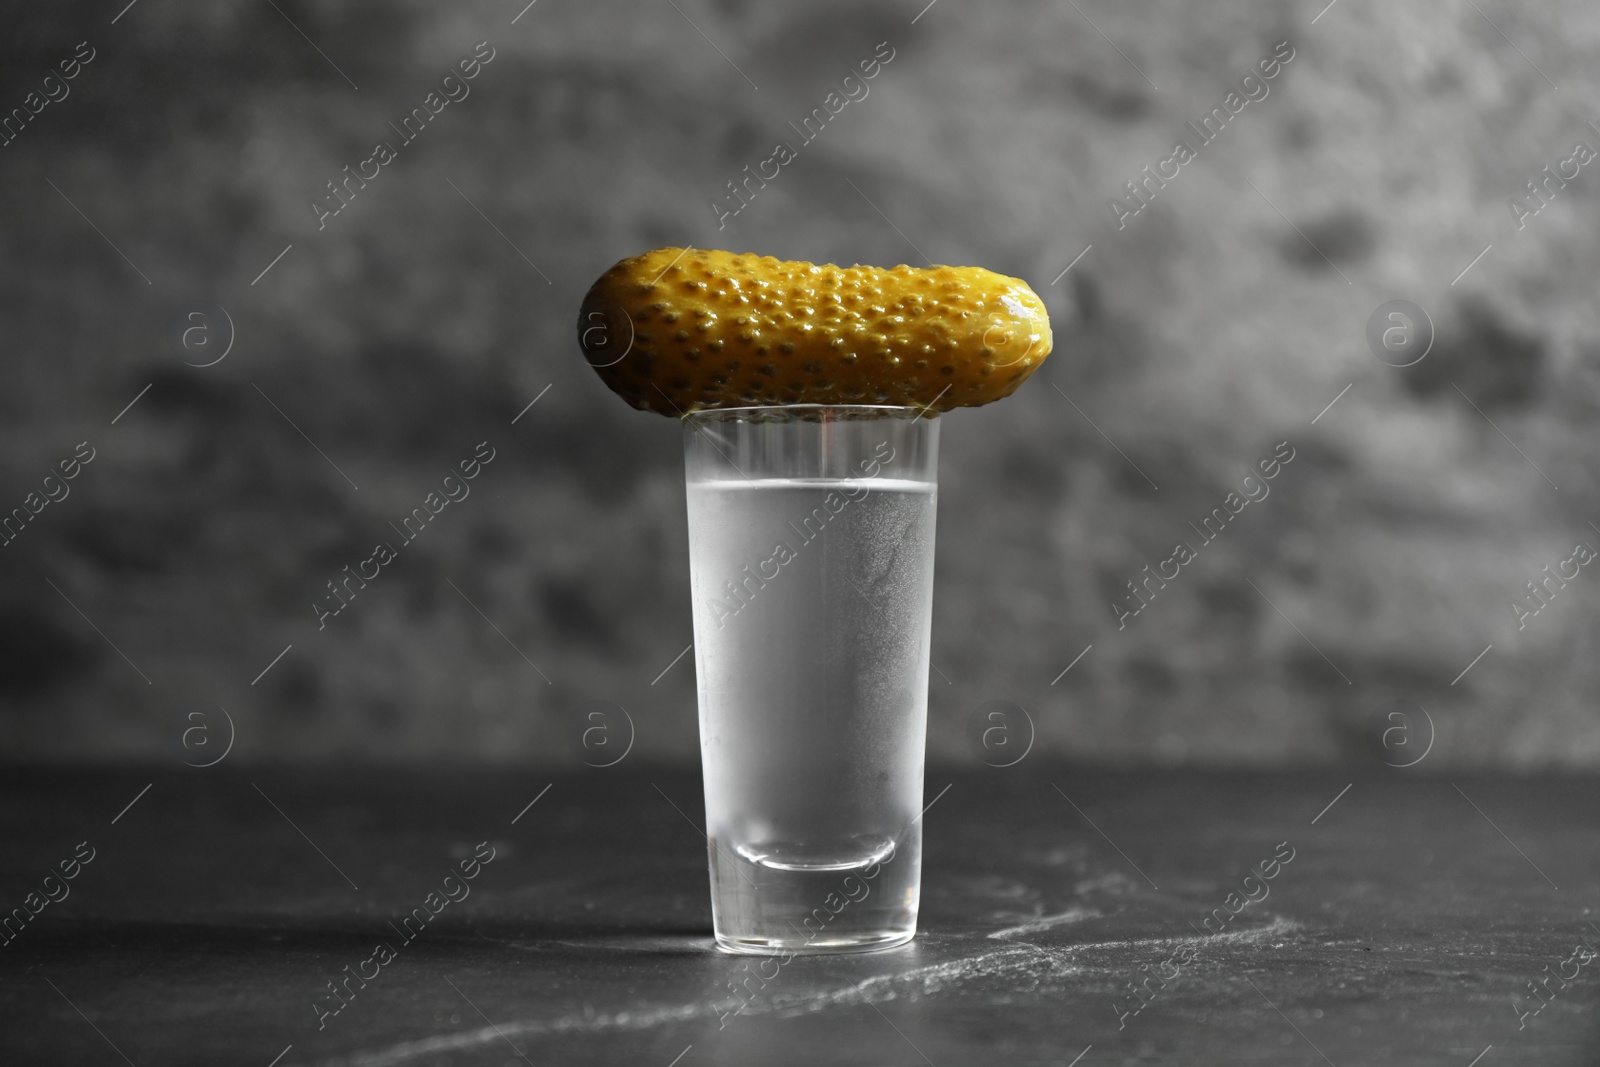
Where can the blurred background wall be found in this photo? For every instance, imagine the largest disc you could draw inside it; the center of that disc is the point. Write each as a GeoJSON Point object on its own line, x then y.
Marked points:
{"type": "Point", "coordinates": [377, 351]}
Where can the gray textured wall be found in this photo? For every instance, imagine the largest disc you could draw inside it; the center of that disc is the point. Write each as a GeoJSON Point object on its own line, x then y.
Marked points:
{"type": "Point", "coordinates": [422, 318]}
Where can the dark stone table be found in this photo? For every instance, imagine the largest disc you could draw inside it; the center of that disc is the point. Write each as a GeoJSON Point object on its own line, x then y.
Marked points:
{"type": "Point", "coordinates": [1406, 929]}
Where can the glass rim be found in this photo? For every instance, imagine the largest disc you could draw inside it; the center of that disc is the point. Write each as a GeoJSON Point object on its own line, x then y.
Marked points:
{"type": "Point", "coordinates": [772, 412]}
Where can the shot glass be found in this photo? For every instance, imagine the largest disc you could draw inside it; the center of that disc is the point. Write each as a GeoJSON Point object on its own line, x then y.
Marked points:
{"type": "Point", "coordinates": [811, 566]}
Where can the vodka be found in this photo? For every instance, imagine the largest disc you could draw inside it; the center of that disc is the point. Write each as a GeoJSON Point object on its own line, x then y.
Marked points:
{"type": "Point", "coordinates": [812, 607]}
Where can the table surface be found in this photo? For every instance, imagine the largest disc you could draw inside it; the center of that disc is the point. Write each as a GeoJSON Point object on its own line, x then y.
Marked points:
{"type": "Point", "coordinates": [1413, 916]}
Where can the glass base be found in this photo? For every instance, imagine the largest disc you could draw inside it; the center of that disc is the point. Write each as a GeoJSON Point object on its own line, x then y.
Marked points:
{"type": "Point", "coordinates": [815, 947]}
{"type": "Point", "coordinates": [857, 897]}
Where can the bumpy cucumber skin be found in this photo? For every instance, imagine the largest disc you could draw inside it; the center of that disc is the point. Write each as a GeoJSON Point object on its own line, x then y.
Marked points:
{"type": "Point", "coordinates": [677, 330]}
